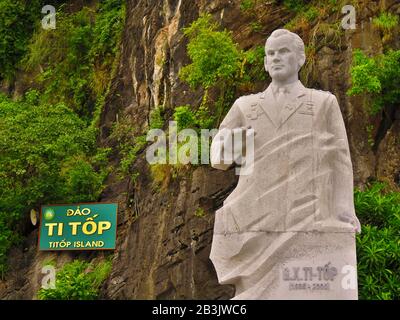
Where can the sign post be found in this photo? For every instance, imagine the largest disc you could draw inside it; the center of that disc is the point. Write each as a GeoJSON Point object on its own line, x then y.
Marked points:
{"type": "Point", "coordinates": [85, 226]}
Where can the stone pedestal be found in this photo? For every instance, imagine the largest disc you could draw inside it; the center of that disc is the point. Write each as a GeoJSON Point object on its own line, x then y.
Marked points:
{"type": "Point", "coordinates": [287, 265]}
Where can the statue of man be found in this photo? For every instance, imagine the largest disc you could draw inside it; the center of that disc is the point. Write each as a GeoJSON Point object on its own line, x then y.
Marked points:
{"type": "Point", "coordinates": [288, 229]}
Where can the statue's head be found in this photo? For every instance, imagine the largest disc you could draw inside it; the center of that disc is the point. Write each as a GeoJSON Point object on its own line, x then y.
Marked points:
{"type": "Point", "coordinates": [284, 54]}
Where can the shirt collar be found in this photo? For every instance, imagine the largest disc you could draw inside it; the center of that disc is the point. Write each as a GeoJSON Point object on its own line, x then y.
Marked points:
{"type": "Point", "coordinates": [289, 88]}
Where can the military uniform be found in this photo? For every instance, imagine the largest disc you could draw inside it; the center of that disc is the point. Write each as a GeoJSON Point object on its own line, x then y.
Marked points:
{"type": "Point", "coordinates": [302, 184]}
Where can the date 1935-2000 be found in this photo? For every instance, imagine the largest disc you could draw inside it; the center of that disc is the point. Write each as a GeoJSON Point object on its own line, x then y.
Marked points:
{"type": "Point", "coordinates": [309, 286]}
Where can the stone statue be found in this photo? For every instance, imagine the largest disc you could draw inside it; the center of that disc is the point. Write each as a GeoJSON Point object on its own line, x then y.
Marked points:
{"type": "Point", "coordinates": [288, 229]}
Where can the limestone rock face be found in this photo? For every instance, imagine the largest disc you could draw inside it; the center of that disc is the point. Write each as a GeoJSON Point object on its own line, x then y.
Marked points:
{"type": "Point", "coordinates": [163, 246]}
{"type": "Point", "coordinates": [388, 161]}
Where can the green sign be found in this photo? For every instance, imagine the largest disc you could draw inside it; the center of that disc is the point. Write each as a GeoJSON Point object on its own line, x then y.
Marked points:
{"type": "Point", "coordinates": [85, 226]}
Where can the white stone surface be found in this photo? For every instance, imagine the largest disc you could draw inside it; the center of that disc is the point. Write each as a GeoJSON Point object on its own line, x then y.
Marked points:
{"type": "Point", "coordinates": [296, 209]}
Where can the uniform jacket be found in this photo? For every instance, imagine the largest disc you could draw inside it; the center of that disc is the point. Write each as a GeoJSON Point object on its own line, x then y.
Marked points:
{"type": "Point", "coordinates": [302, 178]}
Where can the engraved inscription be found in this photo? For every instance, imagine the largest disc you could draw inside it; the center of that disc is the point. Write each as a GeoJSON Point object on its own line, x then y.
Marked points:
{"type": "Point", "coordinates": [310, 278]}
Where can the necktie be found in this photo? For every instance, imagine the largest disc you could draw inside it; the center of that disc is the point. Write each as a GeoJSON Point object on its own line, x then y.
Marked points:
{"type": "Point", "coordinates": [280, 96]}
{"type": "Point", "coordinates": [280, 100]}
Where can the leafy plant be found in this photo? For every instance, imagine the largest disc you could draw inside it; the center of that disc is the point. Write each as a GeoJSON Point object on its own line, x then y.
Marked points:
{"type": "Point", "coordinates": [184, 117]}
{"type": "Point", "coordinates": [246, 5]}
{"type": "Point", "coordinates": [311, 14]}
{"type": "Point", "coordinates": [377, 206]}
{"type": "Point", "coordinates": [200, 213]}
{"type": "Point", "coordinates": [32, 97]}
{"type": "Point", "coordinates": [82, 181]}
{"type": "Point", "coordinates": [196, 120]}
{"type": "Point", "coordinates": [128, 145]}
{"type": "Point", "coordinates": [378, 245]}
{"type": "Point", "coordinates": [218, 63]}
{"type": "Point", "coordinates": [48, 150]}
{"type": "Point", "coordinates": [130, 156]}
{"type": "Point", "coordinates": [8, 237]}
{"type": "Point", "coordinates": [47, 155]}
{"type": "Point", "coordinates": [214, 55]}
{"type": "Point", "coordinates": [253, 65]}
{"type": "Point", "coordinates": [294, 5]}
{"type": "Point", "coordinates": [371, 140]}
{"type": "Point", "coordinates": [315, 18]}
{"type": "Point", "coordinates": [75, 61]}
{"type": "Point", "coordinates": [157, 118]}
{"type": "Point", "coordinates": [65, 63]}
{"type": "Point", "coordinates": [78, 280]}
{"type": "Point", "coordinates": [386, 21]}
{"type": "Point", "coordinates": [256, 26]}
{"type": "Point", "coordinates": [364, 74]}
{"type": "Point", "coordinates": [107, 31]}
{"type": "Point", "coordinates": [17, 21]}
{"type": "Point", "coordinates": [378, 77]}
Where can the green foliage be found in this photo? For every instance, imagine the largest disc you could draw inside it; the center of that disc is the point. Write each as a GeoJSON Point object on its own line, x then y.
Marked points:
{"type": "Point", "coordinates": [107, 28]}
{"type": "Point", "coordinates": [371, 140]}
{"type": "Point", "coordinates": [82, 181]}
{"type": "Point", "coordinates": [378, 245]}
{"type": "Point", "coordinates": [130, 156]}
{"type": "Point", "coordinates": [304, 11]}
{"type": "Point", "coordinates": [256, 26]}
{"type": "Point", "coordinates": [195, 120]}
{"type": "Point", "coordinates": [204, 118]}
{"type": "Point", "coordinates": [311, 14]}
{"type": "Point", "coordinates": [7, 237]}
{"type": "Point", "coordinates": [214, 55]}
{"type": "Point", "coordinates": [75, 60]}
{"type": "Point", "coordinates": [364, 74]}
{"type": "Point", "coordinates": [304, 18]}
{"type": "Point", "coordinates": [294, 5]}
{"type": "Point", "coordinates": [217, 63]}
{"type": "Point", "coordinates": [48, 151]}
{"type": "Point", "coordinates": [386, 21]}
{"type": "Point", "coordinates": [187, 119]}
{"type": "Point", "coordinates": [246, 5]}
{"type": "Point", "coordinates": [253, 65]}
{"type": "Point", "coordinates": [32, 97]}
{"type": "Point", "coordinates": [78, 280]}
{"type": "Point", "coordinates": [378, 77]}
{"type": "Point", "coordinates": [321, 21]}
{"type": "Point", "coordinates": [47, 155]}
{"type": "Point", "coordinates": [162, 174]}
{"type": "Point", "coordinates": [375, 206]}
{"type": "Point", "coordinates": [107, 33]}
{"type": "Point", "coordinates": [200, 213]}
{"type": "Point", "coordinates": [17, 20]}
{"type": "Point", "coordinates": [157, 118]}
{"type": "Point", "coordinates": [65, 62]}
{"type": "Point", "coordinates": [128, 145]}
{"type": "Point", "coordinates": [184, 117]}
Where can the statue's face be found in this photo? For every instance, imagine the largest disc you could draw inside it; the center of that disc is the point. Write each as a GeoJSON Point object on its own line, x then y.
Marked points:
{"type": "Point", "coordinates": [281, 60]}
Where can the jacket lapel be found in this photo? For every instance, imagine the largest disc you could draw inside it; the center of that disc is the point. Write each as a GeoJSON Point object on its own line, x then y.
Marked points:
{"type": "Point", "coordinates": [279, 117]}
{"type": "Point", "coordinates": [292, 105]}
{"type": "Point", "coordinates": [267, 104]}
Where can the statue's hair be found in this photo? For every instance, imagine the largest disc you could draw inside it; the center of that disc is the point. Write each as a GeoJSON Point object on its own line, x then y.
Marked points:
{"type": "Point", "coordinates": [297, 41]}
